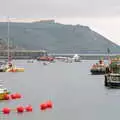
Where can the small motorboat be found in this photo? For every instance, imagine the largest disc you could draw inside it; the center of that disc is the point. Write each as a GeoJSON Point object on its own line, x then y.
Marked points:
{"type": "Point", "coordinates": [15, 70]}
{"type": "Point", "coordinates": [3, 92]}
{"type": "Point", "coordinates": [45, 58]}
{"type": "Point", "coordinates": [12, 68]}
{"type": "Point", "coordinates": [60, 58]}
{"type": "Point", "coordinates": [76, 58]}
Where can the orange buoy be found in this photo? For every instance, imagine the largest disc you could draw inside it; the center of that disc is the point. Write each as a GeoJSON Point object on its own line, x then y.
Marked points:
{"type": "Point", "coordinates": [43, 106]}
{"type": "Point", "coordinates": [20, 109]}
{"type": "Point", "coordinates": [17, 95]}
{"type": "Point", "coordinates": [6, 110]}
{"type": "Point", "coordinates": [28, 108]}
{"type": "Point", "coordinates": [49, 104]}
{"type": "Point", "coordinates": [13, 96]}
{"type": "Point", "coordinates": [6, 97]}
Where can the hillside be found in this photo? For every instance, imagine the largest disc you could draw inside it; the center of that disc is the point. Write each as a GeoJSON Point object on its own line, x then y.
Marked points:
{"type": "Point", "coordinates": [57, 38]}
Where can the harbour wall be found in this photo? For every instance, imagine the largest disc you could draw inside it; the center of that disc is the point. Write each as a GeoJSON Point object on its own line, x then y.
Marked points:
{"type": "Point", "coordinates": [22, 54]}
{"type": "Point", "coordinates": [33, 54]}
{"type": "Point", "coordinates": [89, 56]}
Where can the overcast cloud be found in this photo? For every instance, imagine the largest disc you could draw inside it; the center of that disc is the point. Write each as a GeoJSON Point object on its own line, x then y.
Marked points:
{"type": "Point", "coordinates": [59, 8]}
{"type": "Point", "coordinates": [103, 16]}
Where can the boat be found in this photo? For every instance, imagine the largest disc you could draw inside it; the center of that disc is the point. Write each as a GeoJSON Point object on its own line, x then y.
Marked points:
{"type": "Point", "coordinates": [3, 92]}
{"type": "Point", "coordinates": [98, 68]}
{"type": "Point", "coordinates": [68, 60]}
{"type": "Point", "coordinates": [64, 59]}
{"type": "Point", "coordinates": [45, 58]}
{"type": "Point", "coordinates": [76, 58]}
{"type": "Point", "coordinates": [112, 75]}
{"type": "Point", "coordinates": [60, 58]}
{"type": "Point", "coordinates": [9, 66]}
{"type": "Point", "coordinates": [12, 68]}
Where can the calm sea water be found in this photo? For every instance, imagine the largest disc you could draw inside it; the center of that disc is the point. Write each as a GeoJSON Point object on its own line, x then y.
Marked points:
{"type": "Point", "coordinates": [76, 94]}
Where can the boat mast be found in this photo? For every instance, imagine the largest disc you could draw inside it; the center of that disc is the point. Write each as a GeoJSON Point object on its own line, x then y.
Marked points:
{"type": "Point", "coordinates": [8, 35]}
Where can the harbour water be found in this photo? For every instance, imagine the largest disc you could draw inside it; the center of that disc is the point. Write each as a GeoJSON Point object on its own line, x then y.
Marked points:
{"type": "Point", "coordinates": [75, 93]}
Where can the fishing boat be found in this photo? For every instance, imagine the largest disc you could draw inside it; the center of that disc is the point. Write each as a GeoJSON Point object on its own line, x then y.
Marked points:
{"type": "Point", "coordinates": [64, 59]}
{"type": "Point", "coordinates": [12, 68]}
{"type": "Point", "coordinates": [45, 58]}
{"type": "Point", "coordinates": [3, 92]}
{"type": "Point", "coordinates": [98, 68]}
{"type": "Point", "coordinates": [9, 66]}
{"type": "Point", "coordinates": [60, 58]}
{"type": "Point", "coordinates": [112, 75]}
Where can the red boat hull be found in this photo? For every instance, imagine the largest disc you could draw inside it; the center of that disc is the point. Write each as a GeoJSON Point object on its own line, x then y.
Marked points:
{"type": "Point", "coordinates": [45, 58]}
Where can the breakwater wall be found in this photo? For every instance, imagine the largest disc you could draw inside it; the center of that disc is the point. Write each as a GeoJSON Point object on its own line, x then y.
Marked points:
{"type": "Point", "coordinates": [33, 54]}
{"type": "Point", "coordinates": [22, 54]}
{"type": "Point", "coordinates": [89, 56]}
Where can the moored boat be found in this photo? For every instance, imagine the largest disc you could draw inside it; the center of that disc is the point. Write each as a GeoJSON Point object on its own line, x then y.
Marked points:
{"type": "Point", "coordinates": [112, 75]}
{"type": "Point", "coordinates": [76, 58]}
{"type": "Point", "coordinates": [12, 68]}
{"type": "Point", "coordinates": [45, 58]}
{"type": "Point", "coordinates": [8, 66]}
{"type": "Point", "coordinates": [3, 92]}
{"type": "Point", "coordinates": [15, 69]}
{"type": "Point", "coordinates": [60, 58]}
{"type": "Point", "coordinates": [98, 68]}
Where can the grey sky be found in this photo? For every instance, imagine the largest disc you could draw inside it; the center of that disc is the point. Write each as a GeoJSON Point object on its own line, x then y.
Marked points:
{"type": "Point", "coordinates": [59, 8]}
{"type": "Point", "coordinates": [103, 16]}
